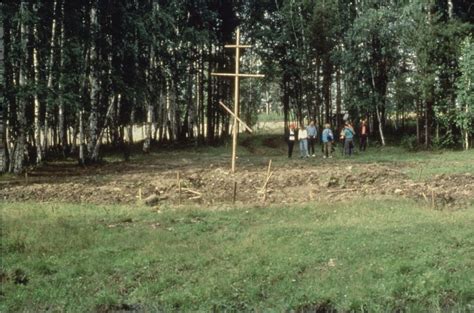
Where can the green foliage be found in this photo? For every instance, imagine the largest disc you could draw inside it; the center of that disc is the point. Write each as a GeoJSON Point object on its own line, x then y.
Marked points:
{"type": "Point", "coordinates": [409, 142]}
{"type": "Point", "coordinates": [465, 91]}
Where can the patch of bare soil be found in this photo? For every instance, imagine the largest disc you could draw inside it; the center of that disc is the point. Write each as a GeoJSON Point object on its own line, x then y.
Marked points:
{"type": "Point", "coordinates": [209, 182]}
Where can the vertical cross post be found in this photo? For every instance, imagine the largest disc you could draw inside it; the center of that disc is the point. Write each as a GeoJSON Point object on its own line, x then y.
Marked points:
{"type": "Point", "coordinates": [236, 99]}
{"type": "Point", "coordinates": [236, 76]}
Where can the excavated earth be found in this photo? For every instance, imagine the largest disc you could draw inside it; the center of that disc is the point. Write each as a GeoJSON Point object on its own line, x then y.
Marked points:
{"type": "Point", "coordinates": [209, 182]}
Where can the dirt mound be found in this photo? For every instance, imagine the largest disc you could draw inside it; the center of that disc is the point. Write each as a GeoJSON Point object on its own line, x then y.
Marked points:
{"type": "Point", "coordinates": [211, 183]}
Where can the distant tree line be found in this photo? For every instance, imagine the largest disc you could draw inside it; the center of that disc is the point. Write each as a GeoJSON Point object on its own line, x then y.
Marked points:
{"type": "Point", "coordinates": [409, 62]}
{"type": "Point", "coordinates": [77, 73]}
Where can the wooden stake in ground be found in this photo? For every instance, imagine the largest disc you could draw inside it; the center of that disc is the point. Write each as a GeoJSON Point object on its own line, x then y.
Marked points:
{"type": "Point", "coordinates": [179, 187]}
{"type": "Point", "coordinates": [432, 199]}
{"type": "Point", "coordinates": [236, 75]}
{"type": "Point", "coordinates": [269, 174]}
{"type": "Point", "coordinates": [234, 195]}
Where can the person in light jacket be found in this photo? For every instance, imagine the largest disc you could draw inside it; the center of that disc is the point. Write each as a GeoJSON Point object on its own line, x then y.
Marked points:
{"type": "Point", "coordinates": [303, 141]}
{"type": "Point", "coordinates": [327, 138]}
{"type": "Point", "coordinates": [348, 138]}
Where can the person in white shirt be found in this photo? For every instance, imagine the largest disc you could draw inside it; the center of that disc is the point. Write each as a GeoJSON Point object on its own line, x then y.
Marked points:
{"type": "Point", "coordinates": [303, 140]}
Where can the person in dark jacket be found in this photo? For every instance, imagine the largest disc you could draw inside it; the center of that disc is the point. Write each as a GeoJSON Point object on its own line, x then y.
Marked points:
{"type": "Point", "coordinates": [312, 135]}
{"type": "Point", "coordinates": [291, 140]}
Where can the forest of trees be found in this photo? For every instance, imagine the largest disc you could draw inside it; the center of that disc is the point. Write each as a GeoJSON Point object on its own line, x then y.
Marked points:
{"type": "Point", "coordinates": [76, 74]}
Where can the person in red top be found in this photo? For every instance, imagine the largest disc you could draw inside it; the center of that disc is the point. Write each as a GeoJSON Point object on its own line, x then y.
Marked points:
{"type": "Point", "coordinates": [364, 133]}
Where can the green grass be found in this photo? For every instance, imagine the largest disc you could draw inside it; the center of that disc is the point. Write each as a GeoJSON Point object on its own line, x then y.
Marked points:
{"type": "Point", "coordinates": [272, 117]}
{"type": "Point", "coordinates": [387, 254]}
{"type": "Point", "coordinates": [258, 148]}
{"type": "Point", "coordinates": [423, 164]}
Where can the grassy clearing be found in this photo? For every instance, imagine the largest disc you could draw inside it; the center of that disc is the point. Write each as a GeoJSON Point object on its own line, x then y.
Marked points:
{"type": "Point", "coordinates": [374, 254]}
{"type": "Point", "coordinates": [257, 149]}
{"type": "Point", "coordinates": [271, 117]}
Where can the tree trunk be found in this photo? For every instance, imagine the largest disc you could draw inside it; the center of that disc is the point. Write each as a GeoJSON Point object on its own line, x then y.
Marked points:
{"type": "Point", "coordinates": [6, 99]}
{"type": "Point", "coordinates": [61, 113]}
{"type": "Point", "coordinates": [94, 85]}
{"type": "Point", "coordinates": [466, 129]}
{"type": "Point", "coordinates": [379, 119]}
{"type": "Point", "coordinates": [418, 122]}
{"type": "Point", "coordinates": [318, 110]}
{"type": "Point", "coordinates": [210, 106]}
{"type": "Point", "coordinates": [148, 130]}
{"type": "Point", "coordinates": [338, 98]}
{"type": "Point", "coordinates": [377, 109]}
{"type": "Point", "coordinates": [94, 156]}
{"type": "Point", "coordinates": [428, 121]}
{"type": "Point", "coordinates": [81, 138]}
{"type": "Point", "coordinates": [20, 143]}
{"type": "Point", "coordinates": [131, 125]}
{"type": "Point", "coordinates": [37, 110]}
{"type": "Point", "coordinates": [3, 150]}
{"type": "Point", "coordinates": [50, 80]}
{"type": "Point", "coordinates": [327, 72]}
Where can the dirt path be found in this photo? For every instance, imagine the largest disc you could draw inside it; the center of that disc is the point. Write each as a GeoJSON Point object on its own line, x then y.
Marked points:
{"type": "Point", "coordinates": [207, 180]}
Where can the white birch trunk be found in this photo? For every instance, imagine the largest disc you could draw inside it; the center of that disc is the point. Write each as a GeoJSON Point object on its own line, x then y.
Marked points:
{"type": "Point", "coordinates": [61, 122]}
{"type": "Point", "coordinates": [50, 81]}
{"type": "Point", "coordinates": [148, 130]}
{"type": "Point", "coordinates": [466, 130]}
{"type": "Point", "coordinates": [149, 115]}
{"type": "Point", "coordinates": [20, 144]}
{"type": "Point", "coordinates": [81, 138]}
{"type": "Point", "coordinates": [37, 111]}
{"type": "Point", "coordinates": [450, 9]}
{"type": "Point", "coordinates": [94, 95]}
{"type": "Point", "coordinates": [379, 117]}
{"type": "Point", "coordinates": [171, 109]}
{"type": "Point", "coordinates": [96, 148]}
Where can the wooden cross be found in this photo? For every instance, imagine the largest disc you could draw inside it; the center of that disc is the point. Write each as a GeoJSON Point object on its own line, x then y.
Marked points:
{"type": "Point", "coordinates": [237, 75]}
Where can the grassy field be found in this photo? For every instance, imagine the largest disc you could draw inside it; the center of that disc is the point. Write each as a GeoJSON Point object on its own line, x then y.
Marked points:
{"type": "Point", "coordinates": [374, 252]}
{"type": "Point", "coordinates": [380, 254]}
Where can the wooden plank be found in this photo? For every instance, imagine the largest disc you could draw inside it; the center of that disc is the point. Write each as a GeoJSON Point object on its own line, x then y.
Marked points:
{"type": "Point", "coordinates": [238, 119]}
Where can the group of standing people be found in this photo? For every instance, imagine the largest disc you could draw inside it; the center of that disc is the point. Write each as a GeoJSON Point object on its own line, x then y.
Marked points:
{"type": "Point", "coordinates": [308, 136]}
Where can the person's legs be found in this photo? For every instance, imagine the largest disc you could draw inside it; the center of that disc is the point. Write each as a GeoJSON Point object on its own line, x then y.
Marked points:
{"type": "Point", "coordinates": [311, 145]}
{"type": "Point", "coordinates": [301, 148]}
{"type": "Point", "coordinates": [305, 143]}
{"type": "Point", "coordinates": [363, 141]}
{"type": "Point", "coordinates": [325, 149]}
{"type": "Point", "coordinates": [290, 148]}
{"type": "Point", "coordinates": [346, 146]}
{"type": "Point", "coordinates": [351, 146]}
{"type": "Point", "coordinates": [330, 149]}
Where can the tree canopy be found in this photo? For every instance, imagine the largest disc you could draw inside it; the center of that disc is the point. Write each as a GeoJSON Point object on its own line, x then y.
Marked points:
{"type": "Point", "coordinates": [76, 74]}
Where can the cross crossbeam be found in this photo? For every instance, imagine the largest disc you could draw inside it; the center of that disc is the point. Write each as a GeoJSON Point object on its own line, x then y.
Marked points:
{"type": "Point", "coordinates": [238, 75]}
